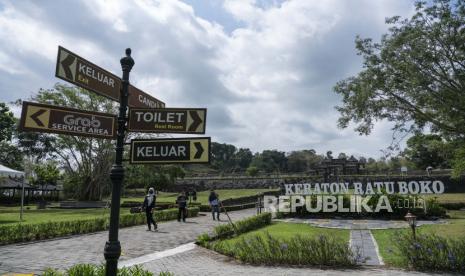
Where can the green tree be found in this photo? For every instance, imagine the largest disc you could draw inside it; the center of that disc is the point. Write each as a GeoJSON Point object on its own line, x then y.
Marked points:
{"type": "Point", "coordinates": [252, 171]}
{"type": "Point", "coordinates": [270, 161]}
{"type": "Point", "coordinates": [46, 173]}
{"type": "Point", "coordinates": [303, 160]}
{"type": "Point", "coordinates": [426, 150]}
{"type": "Point", "coordinates": [7, 123]}
{"type": "Point", "coordinates": [11, 156]}
{"type": "Point", "coordinates": [415, 76]}
{"type": "Point", "coordinates": [243, 157]}
{"type": "Point", "coordinates": [222, 156]}
{"type": "Point", "coordinates": [86, 161]}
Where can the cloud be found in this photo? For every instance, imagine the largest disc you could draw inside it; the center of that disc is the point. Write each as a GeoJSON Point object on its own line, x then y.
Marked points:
{"type": "Point", "coordinates": [266, 78]}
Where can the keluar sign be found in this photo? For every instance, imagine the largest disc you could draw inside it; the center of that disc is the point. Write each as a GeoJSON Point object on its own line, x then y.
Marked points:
{"type": "Point", "coordinates": [83, 73]}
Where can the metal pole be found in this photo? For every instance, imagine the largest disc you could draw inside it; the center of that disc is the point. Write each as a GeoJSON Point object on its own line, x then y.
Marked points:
{"type": "Point", "coordinates": [112, 249]}
{"type": "Point", "coordinates": [22, 201]}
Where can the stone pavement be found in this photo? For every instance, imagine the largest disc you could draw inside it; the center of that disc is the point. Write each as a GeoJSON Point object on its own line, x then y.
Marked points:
{"type": "Point", "coordinates": [135, 242]}
{"type": "Point", "coordinates": [363, 242]}
{"type": "Point", "coordinates": [202, 262]}
{"type": "Point", "coordinates": [360, 223]}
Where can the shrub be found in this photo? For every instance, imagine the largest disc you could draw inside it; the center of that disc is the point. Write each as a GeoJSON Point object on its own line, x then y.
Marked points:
{"type": "Point", "coordinates": [243, 226]}
{"type": "Point", "coordinates": [29, 232]}
{"type": "Point", "coordinates": [298, 250]}
{"type": "Point", "coordinates": [99, 270]}
{"type": "Point", "coordinates": [431, 252]}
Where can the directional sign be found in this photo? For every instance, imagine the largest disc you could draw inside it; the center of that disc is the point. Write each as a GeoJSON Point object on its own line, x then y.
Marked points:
{"type": "Point", "coordinates": [83, 73]}
{"type": "Point", "coordinates": [167, 151]}
{"type": "Point", "coordinates": [62, 120]}
{"type": "Point", "coordinates": [168, 120]}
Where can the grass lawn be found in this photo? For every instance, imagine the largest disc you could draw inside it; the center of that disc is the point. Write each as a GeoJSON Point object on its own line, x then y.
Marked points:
{"type": "Point", "coordinates": [448, 198]}
{"type": "Point", "coordinates": [202, 197]}
{"type": "Point", "coordinates": [10, 215]}
{"type": "Point", "coordinates": [455, 228]}
{"type": "Point", "coordinates": [287, 230]}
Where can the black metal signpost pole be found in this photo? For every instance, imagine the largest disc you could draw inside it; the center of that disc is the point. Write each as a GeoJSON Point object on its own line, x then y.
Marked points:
{"type": "Point", "coordinates": [112, 247]}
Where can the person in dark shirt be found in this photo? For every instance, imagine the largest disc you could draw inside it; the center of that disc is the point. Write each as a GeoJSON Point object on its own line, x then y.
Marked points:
{"type": "Point", "coordinates": [182, 204]}
{"type": "Point", "coordinates": [214, 202]}
{"type": "Point", "coordinates": [194, 195]}
{"type": "Point", "coordinates": [149, 206]}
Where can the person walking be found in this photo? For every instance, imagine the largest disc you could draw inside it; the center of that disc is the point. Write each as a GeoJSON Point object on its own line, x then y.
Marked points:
{"type": "Point", "coordinates": [194, 195]}
{"type": "Point", "coordinates": [214, 201]}
{"type": "Point", "coordinates": [182, 205]}
{"type": "Point", "coordinates": [148, 206]}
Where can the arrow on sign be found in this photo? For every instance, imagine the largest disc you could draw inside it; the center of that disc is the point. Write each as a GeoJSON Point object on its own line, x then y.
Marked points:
{"type": "Point", "coordinates": [199, 148]}
{"type": "Point", "coordinates": [196, 120]}
{"type": "Point", "coordinates": [36, 115]}
{"type": "Point", "coordinates": [66, 63]}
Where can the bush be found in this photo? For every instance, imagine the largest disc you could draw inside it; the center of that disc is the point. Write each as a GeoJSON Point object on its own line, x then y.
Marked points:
{"type": "Point", "coordinates": [207, 208]}
{"type": "Point", "coordinates": [298, 250]}
{"type": "Point", "coordinates": [29, 232]}
{"type": "Point", "coordinates": [243, 226]}
{"type": "Point", "coordinates": [431, 252]}
{"type": "Point", "coordinates": [99, 270]}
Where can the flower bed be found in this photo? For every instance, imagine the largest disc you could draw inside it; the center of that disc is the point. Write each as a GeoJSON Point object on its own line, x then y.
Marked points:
{"type": "Point", "coordinates": [99, 270]}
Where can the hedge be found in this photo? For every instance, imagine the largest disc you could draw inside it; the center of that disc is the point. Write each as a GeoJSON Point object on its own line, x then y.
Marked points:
{"type": "Point", "coordinates": [99, 270]}
{"type": "Point", "coordinates": [207, 208]}
{"type": "Point", "coordinates": [30, 232]}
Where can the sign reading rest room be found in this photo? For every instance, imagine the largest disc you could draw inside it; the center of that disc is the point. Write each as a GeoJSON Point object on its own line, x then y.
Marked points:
{"type": "Point", "coordinates": [70, 121]}
{"type": "Point", "coordinates": [168, 120]}
{"type": "Point", "coordinates": [83, 73]}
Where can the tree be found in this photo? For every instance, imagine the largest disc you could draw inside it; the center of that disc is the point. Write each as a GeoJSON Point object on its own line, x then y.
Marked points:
{"type": "Point", "coordinates": [426, 150]}
{"type": "Point", "coordinates": [11, 156]}
{"type": "Point", "coordinates": [302, 161]}
{"type": "Point", "coordinates": [270, 161]}
{"type": "Point", "coordinates": [243, 157]}
{"type": "Point", "coordinates": [222, 156]}
{"type": "Point", "coordinates": [416, 74]}
{"type": "Point", "coordinates": [7, 123]}
{"type": "Point", "coordinates": [86, 161]}
{"type": "Point", "coordinates": [46, 173]}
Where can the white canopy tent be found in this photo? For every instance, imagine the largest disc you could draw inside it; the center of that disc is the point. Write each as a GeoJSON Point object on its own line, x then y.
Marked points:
{"type": "Point", "coordinates": [7, 172]}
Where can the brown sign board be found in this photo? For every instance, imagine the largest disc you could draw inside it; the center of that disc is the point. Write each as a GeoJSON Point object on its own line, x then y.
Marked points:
{"type": "Point", "coordinates": [83, 73]}
{"type": "Point", "coordinates": [168, 120]}
{"type": "Point", "coordinates": [63, 120]}
{"type": "Point", "coordinates": [170, 151]}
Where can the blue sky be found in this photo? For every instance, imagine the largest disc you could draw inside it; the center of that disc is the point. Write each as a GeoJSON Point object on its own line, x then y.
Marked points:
{"type": "Point", "coordinates": [264, 69]}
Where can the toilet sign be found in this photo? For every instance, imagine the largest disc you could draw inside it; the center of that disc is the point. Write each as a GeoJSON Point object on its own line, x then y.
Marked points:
{"type": "Point", "coordinates": [168, 151]}
{"type": "Point", "coordinates": [83, 73]}
{"type": "Point", "coordinates": [168, 120]}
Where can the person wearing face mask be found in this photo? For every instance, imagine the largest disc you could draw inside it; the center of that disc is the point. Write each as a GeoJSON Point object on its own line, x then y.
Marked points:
{"type": "Point", "coordinates": [149, 206]}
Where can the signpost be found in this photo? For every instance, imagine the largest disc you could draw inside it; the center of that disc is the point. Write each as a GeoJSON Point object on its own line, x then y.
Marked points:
{"type": "Point", "coordinates": [70, 121]}
{"type": "Point", "coordinates": [168, 120]}
{"type": "Point", "coordinates": [83, 73]}
{"type": "Point", "coordinates": [170, 151]}
{"type": "Point", "coordinates": [147, 114]}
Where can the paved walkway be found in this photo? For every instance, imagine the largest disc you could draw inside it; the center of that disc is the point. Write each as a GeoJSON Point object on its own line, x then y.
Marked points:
{"type": "Point", "coordinates": [170, 249]}
{"type": "Point", "coordinates": [202, 262]}
{"type": "Point", "coordinates": [135, 242]}
{"type": "Point", "coordinates": [363, 243]}
{"type": "Point", "coordinates": [360, 223]}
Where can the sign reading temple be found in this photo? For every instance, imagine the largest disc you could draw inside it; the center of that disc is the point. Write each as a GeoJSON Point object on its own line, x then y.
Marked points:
{"type": "Point", "coordinates": [174, 150]}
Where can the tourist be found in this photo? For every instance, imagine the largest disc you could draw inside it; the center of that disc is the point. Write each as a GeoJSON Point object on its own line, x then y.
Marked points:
{"type": "Point", "coordinates": [214, 201]}
{"type": "Point", "coordinates": [194, 195]}
{"type": "Point", "coordinates": [149, 206]}
{"type": "Point", "coordinates": [182, 204]}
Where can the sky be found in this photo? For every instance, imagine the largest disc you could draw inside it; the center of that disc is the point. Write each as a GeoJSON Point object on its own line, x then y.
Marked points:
{"type": "Point", "coordinates": [265, 70]}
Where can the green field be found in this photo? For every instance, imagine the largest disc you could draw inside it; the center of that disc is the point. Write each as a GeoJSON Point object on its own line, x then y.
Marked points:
{"type": "Point", "coordinates": [202, 197]}
{"type": "Point", "coordinates": [284, 230]}
{"type": "Point", "coordinates": [455, 228]}
{"type": "Point", "coordinates": [10, 215]}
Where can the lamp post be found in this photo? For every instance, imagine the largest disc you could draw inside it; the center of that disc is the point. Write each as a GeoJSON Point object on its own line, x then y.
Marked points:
{"type": "Point", "coordinates": [412, 221]}
{"type": "Point", "coordinates": [112, 249]}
